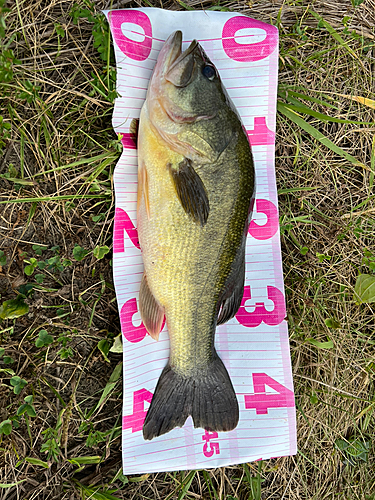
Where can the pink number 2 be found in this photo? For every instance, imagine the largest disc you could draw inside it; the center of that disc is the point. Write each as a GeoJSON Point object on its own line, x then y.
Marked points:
{"type": "Point", "coordinates": [123, 223]}
{"type": "Point", "coordinates": [262, 401]}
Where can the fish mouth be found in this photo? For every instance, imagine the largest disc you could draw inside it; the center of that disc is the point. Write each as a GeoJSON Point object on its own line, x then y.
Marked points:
{"type": "Point", "coordinates": [170, 51]}
{"type": "Point", "coordinates": [174, 65]}
{"type": "Point", "coordinates": [178, 48]}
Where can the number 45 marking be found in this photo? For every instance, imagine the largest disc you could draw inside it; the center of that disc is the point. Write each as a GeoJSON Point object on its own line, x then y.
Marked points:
{"type": "Point", "coordinates": [210, 448]}
{"type": "Point", "coordinates": [262, 401]}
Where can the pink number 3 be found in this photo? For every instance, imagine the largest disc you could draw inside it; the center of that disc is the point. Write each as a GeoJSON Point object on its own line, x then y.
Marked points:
{"type": "Point", "coordinates": [255, 318]}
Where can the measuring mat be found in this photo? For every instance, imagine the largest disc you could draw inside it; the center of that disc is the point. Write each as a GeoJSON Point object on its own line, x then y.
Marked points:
{"type": "Point", "coordinates": [254, 345]}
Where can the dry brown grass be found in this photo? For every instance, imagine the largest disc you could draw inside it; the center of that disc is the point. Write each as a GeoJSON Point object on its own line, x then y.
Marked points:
{"type": "Point", "coordinates": [69, 120]}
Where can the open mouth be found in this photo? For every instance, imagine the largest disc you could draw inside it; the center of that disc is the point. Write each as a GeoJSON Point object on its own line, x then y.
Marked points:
{"type": "Point", "coordinates": [171, 54]}
{"type": "Point", "coordinates": [176, 50]}
{"type": "Point", "coordinates": [178, 65]}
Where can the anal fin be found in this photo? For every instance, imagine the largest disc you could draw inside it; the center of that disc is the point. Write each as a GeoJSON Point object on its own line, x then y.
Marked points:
{"type": "Point", "coordinates": [152, 313]}
{"type": "Point", "coordinates": [191, 191]}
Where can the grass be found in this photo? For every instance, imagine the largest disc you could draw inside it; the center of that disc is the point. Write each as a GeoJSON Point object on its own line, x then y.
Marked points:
{"type": "Point", "coordinates": [60, 403]}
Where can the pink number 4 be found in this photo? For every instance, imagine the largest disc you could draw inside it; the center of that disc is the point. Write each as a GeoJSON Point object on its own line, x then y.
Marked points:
{"type": "Point", "coordinates": [135, 421]}
{"type": "Point", "coordinates": [210, 448]}
{"type": "Point", "coordinates": [261, 401]}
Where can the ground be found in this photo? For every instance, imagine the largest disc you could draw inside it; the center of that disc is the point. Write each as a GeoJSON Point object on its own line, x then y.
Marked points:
{"type": "Point", "coordinates": [60, 406]}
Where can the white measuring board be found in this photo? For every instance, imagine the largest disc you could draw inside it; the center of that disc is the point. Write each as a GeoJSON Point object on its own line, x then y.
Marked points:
{"type": "Point", "coordinates": [254, 345]}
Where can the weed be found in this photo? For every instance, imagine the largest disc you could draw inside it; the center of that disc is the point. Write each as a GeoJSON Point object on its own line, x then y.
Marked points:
{"type": "Point", "coordinates": [6, 427]}
{"type": "Point", "coordinates": [79, 253]}
{"type": "Point", "coordinates": [44, 339]}
{"type": "Point", "coordinates": [27, 407]}
{"type": "Point", "coordinates": [29, 92]}
{"type": "Point", "coordinates": [14, 308]}
{"type": "Point", "coordinates": [18, 384]}
{"type": "Point", "coordinates": [51, 444]}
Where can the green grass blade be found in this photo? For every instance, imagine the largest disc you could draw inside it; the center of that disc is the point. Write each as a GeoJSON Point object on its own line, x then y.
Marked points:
{"type": "Point", "coordinates": [110, 386]}
{"type": "Point", "coordinates": [286, 93]}
{"type": "Point", "coordinates": [55, 198]}
{"type": "Point", "coordinates": [334, 34]}
{"type": "Point", "coordinates": [301, 108]}
{"type": "Point", "coordinates": [296, 190]}
{"type": "Point", "coordinates": [186, 484]}
{"type": "Point", "coordinates": [85, 460]}
{"type": "Point", "coordinates": [210, 485]}
{"type": "Point", "coordinates": [77, 163]}
{"type": "Point", "coordinates": [10, 485]}
{"type": "Point", "coordinates": [295, 118]}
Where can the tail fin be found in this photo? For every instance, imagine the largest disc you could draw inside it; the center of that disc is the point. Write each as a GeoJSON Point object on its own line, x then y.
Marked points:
{"type": "Point", "coordinates": [208, 397]}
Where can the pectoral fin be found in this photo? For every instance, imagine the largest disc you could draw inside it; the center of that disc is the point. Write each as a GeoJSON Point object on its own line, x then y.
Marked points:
{"type": "Point", "coordinates": [152, 313]}
{"type": "Point", "coordinates": [143, 188]}
{"type": "Point", "coordinates": [191, 191]}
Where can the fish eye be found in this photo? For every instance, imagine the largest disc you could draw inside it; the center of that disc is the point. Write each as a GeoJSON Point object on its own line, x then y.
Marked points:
{"type": "Point", "coordinates": [209, 72]}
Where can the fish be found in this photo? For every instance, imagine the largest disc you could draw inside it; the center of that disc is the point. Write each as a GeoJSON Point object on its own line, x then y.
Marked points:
{"type": "Point", "coordinates": [196, 184]}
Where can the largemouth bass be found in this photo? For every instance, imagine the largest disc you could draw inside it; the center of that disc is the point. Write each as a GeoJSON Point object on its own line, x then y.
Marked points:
{"type": "Point", "coordinates": [195, 184]}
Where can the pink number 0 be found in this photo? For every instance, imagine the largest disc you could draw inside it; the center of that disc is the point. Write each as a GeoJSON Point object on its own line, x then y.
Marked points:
{"type": "Point", "coordinates": [139, 51]}
{"type": "Point", "coordinates": [255, 318]}
{"type": "Point", "coordinates": [248, 51]}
